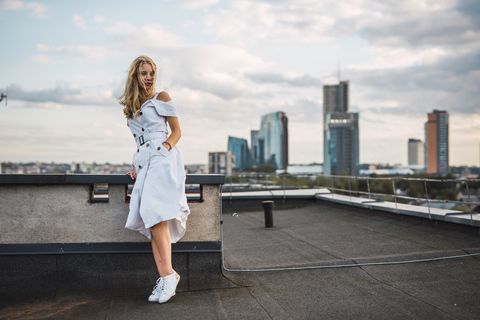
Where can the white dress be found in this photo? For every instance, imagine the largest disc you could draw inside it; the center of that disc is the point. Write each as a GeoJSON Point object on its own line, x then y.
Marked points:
{"type": "Point", "coordinates": [159, 190]}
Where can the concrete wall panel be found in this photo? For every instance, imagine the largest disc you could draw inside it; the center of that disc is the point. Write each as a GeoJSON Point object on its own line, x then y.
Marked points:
{"type": "Point", "coordinates": [63, 214]}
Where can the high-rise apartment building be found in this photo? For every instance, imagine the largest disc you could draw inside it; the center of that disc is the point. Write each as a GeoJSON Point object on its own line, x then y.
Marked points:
{"type": "Point", "coordinates": [436, 143]}
{"type": "Point", "coordinates": [273, 140]}
{"type": "Point", "coordinates": [239, 148]}
{"type": "Point", "coordinates": [335, 99]}
{"type": "Point", "coordinates": [341, 144]}
{"type": "Point", "coordinates": [415, 152]}
{"type": "Point", "coordinates": [221, 162]}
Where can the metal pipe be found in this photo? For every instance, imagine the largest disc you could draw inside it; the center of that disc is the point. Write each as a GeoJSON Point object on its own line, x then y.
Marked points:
{"type": "Point", "coordinates": [268, 213]}
{"type": "Point", "coordinates": [394, 193]}
{"type": "Point", "coordinates": [332, 186]}
{"type": "Point", "coordinates": [428, 202]}
{"type": "Point", "coordinates": [369, 194]}
{"type": "Point", "coordinates": [470, 206]}
{"type": "Point", "coordinates": [350, 189]}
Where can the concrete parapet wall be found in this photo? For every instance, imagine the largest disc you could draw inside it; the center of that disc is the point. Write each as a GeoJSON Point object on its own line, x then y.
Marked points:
{"type": "Point", "coordinates": [62, 213]}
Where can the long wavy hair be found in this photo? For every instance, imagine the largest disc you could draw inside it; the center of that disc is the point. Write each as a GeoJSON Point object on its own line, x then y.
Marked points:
{"type": "Point", "coordinates": [134, 94]}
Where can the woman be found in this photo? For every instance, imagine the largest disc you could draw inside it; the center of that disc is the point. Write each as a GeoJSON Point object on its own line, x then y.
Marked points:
{"type": "Point", "coordinates": [158, 205]}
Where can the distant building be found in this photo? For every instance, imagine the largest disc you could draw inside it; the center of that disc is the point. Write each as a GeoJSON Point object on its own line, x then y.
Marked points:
{"type": "Point", "coordinates": [436, 143]}
{"type": "Point", "coordinates": [239, 148]}
{"type": "Point", "coordinates": [273, 140]}
{"type": "Point", "coordinates": [341, 144]}
{"type": "Point", "coordinates": [336, 98]}
{"type": "Point", "coordinates": [81, 167]}
{"type": "Point", "coordinates": [221, 162]}
{"type": "Point", "coordinates": [340, 131]}
{"type": "Point", "coordinates": [254, 148]}
{"type": "Point", "coordinates": [415, 152]}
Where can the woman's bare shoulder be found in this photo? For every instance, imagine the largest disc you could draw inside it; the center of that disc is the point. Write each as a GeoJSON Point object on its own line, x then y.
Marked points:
{"type": "Point", "coordinates": [164, 96]}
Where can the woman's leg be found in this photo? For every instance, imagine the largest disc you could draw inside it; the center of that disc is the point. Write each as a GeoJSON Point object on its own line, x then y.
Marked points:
{"type": "Point", "coordinates": [161, 237]}
{"type": "Point", "coordinates": [156, 256]}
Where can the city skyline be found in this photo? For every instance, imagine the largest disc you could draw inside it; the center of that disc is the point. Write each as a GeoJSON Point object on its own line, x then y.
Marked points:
{"type": "Point", "coordinates": [225, 63]}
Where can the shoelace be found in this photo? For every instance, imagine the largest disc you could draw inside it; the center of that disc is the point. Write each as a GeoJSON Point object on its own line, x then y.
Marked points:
{"type": "Point", "coordinates": [163, 284]}
{"type": "Point", "coordinates": [158, 286]}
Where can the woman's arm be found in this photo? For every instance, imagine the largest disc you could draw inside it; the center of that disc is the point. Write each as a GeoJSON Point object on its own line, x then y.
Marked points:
{"type": "Point", "coordinates": [176, 132]}
{"type": "Point", "coordinates": [172, 122]}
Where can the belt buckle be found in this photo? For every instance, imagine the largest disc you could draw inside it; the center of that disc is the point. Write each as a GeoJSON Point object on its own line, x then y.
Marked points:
{"type": "Point", "coordinates": [141, 140]}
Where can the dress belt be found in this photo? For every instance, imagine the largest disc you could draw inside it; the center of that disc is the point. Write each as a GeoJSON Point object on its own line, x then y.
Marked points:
{"type": "Point", "coordinates": [141, 140]}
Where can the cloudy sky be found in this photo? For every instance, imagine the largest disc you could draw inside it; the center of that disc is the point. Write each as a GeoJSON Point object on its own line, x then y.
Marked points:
{"type": "Point", "coordinates": [226, 63]}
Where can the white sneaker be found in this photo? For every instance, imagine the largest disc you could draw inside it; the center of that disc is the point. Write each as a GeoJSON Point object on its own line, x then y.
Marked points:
{"type": "Point", "coordinates": [168, 287]}
{"type": "Point", "coordinates": [156, 291]}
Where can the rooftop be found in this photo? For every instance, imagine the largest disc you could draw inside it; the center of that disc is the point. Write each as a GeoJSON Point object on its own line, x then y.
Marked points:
{"type": "Point", "coordinates": [343, 262]}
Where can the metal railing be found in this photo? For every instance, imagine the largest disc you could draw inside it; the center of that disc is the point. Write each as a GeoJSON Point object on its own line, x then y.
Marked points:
{"type": "Point", "coordinates": [273, 181]}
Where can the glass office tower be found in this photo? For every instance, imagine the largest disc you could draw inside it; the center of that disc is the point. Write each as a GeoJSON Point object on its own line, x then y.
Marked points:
{"type": "Point", "coordinates": [254, 148]}
{"type": "Point", "coordinates": [341, 144]}
{"type": "Point", "coordinates": [239, 148]}
{"type": "Point", "coordinates": [336, 98]}
{"type": "Point", "coordinates": [273, 140]}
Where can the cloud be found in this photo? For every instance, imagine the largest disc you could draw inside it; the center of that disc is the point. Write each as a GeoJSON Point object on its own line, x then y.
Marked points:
{"type": "Point", "coordinates": [217, 70]}
{"type": "Point", "coordinates": [128, 37]}
{"type": "Point", "coordinates": [61, 95]}
{"type": "Point", "coordinates": [223, 85]}
{"type": "Point", "coordinates": [83, 51]}
{"type": "Point", "coordinates": [99, 19]}
{"type": "Point", "coordinates": [451, 83]}
{"type": "Point", "coordinates": [386, 23]}
{"type": "Point", "coordinates": [40, 59]}
{"type": "Point", "coordinates": [278, 78]}
{"type": "Point", "coordinates": [418, 29]}
{"type": "Point", "coordinates": [393, 58]}
{"type": "Point", "coordinates": [79, 22]}
{"type": "Point", "coordinates": [36, 9]}
{"type": "Point", "coordinates": [252, 20]}
{"type": "Point", "coordinates": [194, 4]}
{"type": "Point", "coordinates": [125, 37]}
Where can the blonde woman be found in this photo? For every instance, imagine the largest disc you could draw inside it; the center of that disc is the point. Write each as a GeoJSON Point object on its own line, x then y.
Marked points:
{"type": "Point", "coordinates": [158, 205]}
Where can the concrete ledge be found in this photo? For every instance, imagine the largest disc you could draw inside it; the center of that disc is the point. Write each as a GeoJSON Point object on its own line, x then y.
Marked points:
{"type": "Point", "coordinates": [405, 209]}
{"type": "Point", "coordinates": [37, 179]}
{"type": "Point", "coordinates": [117, 247]}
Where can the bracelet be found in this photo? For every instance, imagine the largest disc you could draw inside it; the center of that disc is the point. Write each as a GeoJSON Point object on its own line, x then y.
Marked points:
{"type": "Point", "coordinates": [168, 145]}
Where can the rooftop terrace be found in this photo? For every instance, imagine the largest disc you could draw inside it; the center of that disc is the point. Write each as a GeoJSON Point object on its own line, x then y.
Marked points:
{"type": "Point", "coordinates": [343, 262]}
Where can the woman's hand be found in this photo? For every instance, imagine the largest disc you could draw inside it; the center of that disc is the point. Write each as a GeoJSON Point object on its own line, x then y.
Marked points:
{"type": "Point", "coordinates": [132, 174]}
{"type": "Point", "coordinates": [167, 146]}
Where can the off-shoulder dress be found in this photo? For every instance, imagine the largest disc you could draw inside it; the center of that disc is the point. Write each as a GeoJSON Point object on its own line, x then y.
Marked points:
{"type": "Point", "coordinates": [159, 190]}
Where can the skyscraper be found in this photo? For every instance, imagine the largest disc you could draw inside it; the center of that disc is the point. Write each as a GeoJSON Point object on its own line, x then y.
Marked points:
{"type": "Point", "coordinates": [273, 140]}
{"type": "Point", "coordinates": [336, 98]}
{"type": "Point", "coordinates": [436, 143]}
{"type": "Point", "coordinates": [341, 144]}
{"type": "Point", "coordinates": [340, 131]}
{"type": "Point", "coordinates": [239, 148]}
{"type": "Point", "coordinates": [415, 152]}
{"type": "Point", "coordinates": [254, 148]}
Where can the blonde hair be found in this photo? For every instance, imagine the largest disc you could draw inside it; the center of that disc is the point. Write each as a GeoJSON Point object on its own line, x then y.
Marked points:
{"type": "Point", "coordinates": [133, 95]}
